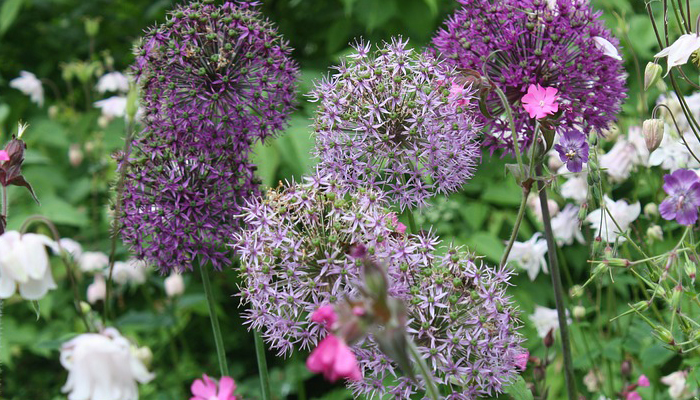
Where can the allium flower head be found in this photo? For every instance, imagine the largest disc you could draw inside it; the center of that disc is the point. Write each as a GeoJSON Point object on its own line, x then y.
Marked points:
{"type": "Point", "coordinates": [573, 150]}
{"type": "Point", "coordinates": [396, 120]}
{"type": "Point", "coordinates": [528, 42]}
{"type": "Point", "coordinates": [683, 189]}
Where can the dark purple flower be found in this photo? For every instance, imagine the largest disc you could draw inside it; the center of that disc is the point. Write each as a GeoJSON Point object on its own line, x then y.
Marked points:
{"type": "Point", "coordinates": [573, 150]}
{"type": "Point", "coordinates": [525, 42]}
{"type": "Point", "coordinates": [683, 189]}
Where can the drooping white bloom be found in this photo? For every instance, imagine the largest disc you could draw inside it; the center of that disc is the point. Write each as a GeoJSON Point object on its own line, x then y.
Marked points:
{"type": "Point", "coordinates": [672, 154]}
{"type": "Point", "coordinates": [174, 285]}
{"type": "Point", "coordinates": [102, 366]}
{"type": "Point", "coordinates": [529, 255]}
{"type": "Point", "coordinates": [622, 212]}
{"type": "Point", "coordinates": [636, 137]}
{"type": "Point", "coordinates": [533, 201]}
{"type": "Point", "coordinates": [30, 85]}
{"type": "Point", "coordinates": [97, 290]}
{"type": "Point", "coordinates": [677, 385]}
{"type": "Point", "coordinates": [91, 261]}
{"type": "Point", "coordinates": [113, 82]}
{"type": "Point", "coordinates": [132, 271]}
{"type": "Point", "coordinates": [24, 262]}
{"type": "Point", "coordinates": [112, 107]}
{"type": "Point", "coordinates": [566, 227]}
{"type": "Point", "coordinates": [606, 47]}
{"type": "Point", "coordinates": [576, 187]}
{"type": "Point", "coordinates": [679, 52]}
{"type": "Point", "coordinates": [618, 162]}
{"type": "Point", "coordinates": [71, 247]}
{"type": "Point", "coordinates": [545, 319]}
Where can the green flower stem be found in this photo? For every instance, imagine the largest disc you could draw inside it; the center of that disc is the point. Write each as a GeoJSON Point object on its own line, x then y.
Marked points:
{"type": "Point", "coordinates": [511, 121]}
{"type": "Point", "coordinates": [412, 222]}
{"type": "Point", "coordinates": [558, 289]}
{"type": "Point", "coordinates": [262, 365]}
{"type": "Point", "coordinates": [431, 388]}
{"type": "Point", "coordinates": [516, 227]}
{"type": "Point", "coordinates": [216, 329]}
{"type": "Point", "coordinates": [3, 189]}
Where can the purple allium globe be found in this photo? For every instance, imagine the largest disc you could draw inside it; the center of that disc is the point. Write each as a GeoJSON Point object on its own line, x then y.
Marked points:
{"type": "Point", "coordinates": [398, 121]}
{"type": "Point", "coordinates": [553, 43]}
{"type": "Point", "coordinates": [464, 324]}
{"type": "Point", "coordinates": [217, 74]}
{"type": "Point", "coordinates": [294, 255]}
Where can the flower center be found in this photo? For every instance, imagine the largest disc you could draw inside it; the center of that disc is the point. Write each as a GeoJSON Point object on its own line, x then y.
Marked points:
{"type": "Point", "coordinates": [679, 203]}
{"type": "Point", "coordinates": [541, 103]}
{"type": "Point", "coordinates": [571, 153]}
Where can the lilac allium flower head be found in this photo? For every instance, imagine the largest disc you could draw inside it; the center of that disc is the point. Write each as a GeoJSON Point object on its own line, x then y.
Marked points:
{"type": "Point", "coordinates": [398, 121]}
{"type": "Point", "coordinates": [463, 323]}
{"type": "Point", "coordinates": [527, 42]}
{"type": "Point", "coordinates": [683, 189]}
{"type": "Point", "coordinates": [573, 150]}
{"type": "Point", "coordinates": [295, 255]}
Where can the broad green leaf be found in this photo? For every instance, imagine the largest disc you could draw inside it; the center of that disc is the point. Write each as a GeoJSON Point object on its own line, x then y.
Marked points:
{"type": "Point", "coordinates": [267, 159]}
{"type": "Point", "coordinates": [518, 390]}
{"type": "Point", "coordinates": [8, 14]}
{"type": "Point", "coordinates": [485, 244]}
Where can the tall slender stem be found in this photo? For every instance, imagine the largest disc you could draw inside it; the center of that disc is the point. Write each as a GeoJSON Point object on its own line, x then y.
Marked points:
{"type": "Point", "coordinates": [262, 365]}
{"type": "Point", "coordinates": [431, 388]}
{"type": "Point", "coordinates": [412, 222]}
{"type": "Point", "coordinates": [558, 289]}
{"type": "Point", "coordinates": [4, 202]}
{"type": "Point", "coordinates": [216, 329]}
{"type": "Point", "coordinates": [516, 227]}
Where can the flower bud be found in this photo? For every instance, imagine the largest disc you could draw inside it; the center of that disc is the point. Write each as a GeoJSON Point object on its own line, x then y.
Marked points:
{"type": "Point", "coordinates": [85, 307]}
{"type": "Point", "coordinates": [579, 312]}
{"type": "Point", "coordinates": [549, 339]}
{"type": "Point", "coordinates": [651, 210]}
{"type": "Point", "coordinates": [92, 26]}
{"type": "Point", "coordinates": [690, 269]}
{"type": "Point", "coordinates": [652, 73]}
{"type": "Point", "coordinates": [654, 233]}
{"type": "Point", "coordinates": [653, 132]}
{"type": "Point", "coordinates": [618, 262]}
{"type": "Point", "coordinates": [664, 334]}
{"type": "Point", "coordinates": [676, 297]}
{"type": "Point", "coordinates": [626, 369]}
{"type": "Point", "coordinates": [75, 155]}
{"type": "Point", "coordinates": [576, 291]}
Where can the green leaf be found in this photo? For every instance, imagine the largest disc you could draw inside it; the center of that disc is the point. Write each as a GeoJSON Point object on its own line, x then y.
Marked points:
{"type": "Point", "coordinates": [475, 214]}
{"type": "Point", "coordinates": [433, 5]}
{"type": "Point", "coordinates": [8, 14]}
{"type": "Point", "coordinates": [518, 390]}
{"type": "Point", "coordinates": [267, 159]}
{"type": "Point", "coordinates": [486, 244]}
{"type": "Point", "coordinates": [505, 194]}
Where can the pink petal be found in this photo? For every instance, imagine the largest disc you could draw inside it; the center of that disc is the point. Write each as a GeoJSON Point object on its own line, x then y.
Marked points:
{"type": "Point", "coordinates": [551, 92]}
{"type": "Point", "coordinates": [226, 388]}
{"type": "Point", "coordinates": [643, 381]}
{"type": "Point", "coordinates": [345, 365]}
{"type": "Point", "coordinates": [325, 315]}
{"type": "Point", "coordinates": [4, 156]}
{"type": "Point", "coordinates": [528, 98]}
{"type": "Point", "coordinates": [202, 389]}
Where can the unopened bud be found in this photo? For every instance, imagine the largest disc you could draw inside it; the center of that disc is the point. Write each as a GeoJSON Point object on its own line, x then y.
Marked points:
{"type": "Point", "coordinates": [676, 297]}
{"type": "Point", "coordinates": [626, 369]}
{"type": "Point", "coordinates": [652, 73]}
{"type": "Point", "coordinates": [576, 291]}
{"type": "Point", "coordinates": [653, 132]}
{"type": "Point", "coordinates": [92, 26]}
{"type": "Point", "coordinates": [664, 334]}
{"type": "Point", "coordinates": [85, 307]}
{"type": "Point", "coordinates": [549, 339]}
{"type": "Point", "coordinates": [75, 155]}
{"type": "Point", "coordinates": [579, 312]}
{"type": "Point", "coordinates": [618, 262]}
{"type": "Point", "coordinates": [654, 232]}
{"type": "Point", "coordinates": [690, 269]}
{"type": "Point", "coordinates": [651, 210]}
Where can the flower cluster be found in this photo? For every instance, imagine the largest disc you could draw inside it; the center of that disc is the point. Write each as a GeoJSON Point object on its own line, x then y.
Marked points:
{"type": "Point", "coordinates": [560, 44]}
{"type": "Point", "coordinates": [397, 120]}
{"type": "Point", "coordinates": [215, 80]}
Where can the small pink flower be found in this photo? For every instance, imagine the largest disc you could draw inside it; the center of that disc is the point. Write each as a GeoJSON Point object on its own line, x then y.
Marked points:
{"type": "Point", "coordinates": [540, 101]}
{"type": "Point", "coordinates": [334, 359]}
{"type": "Point", "coordinates": [457, 93]}
{"type": "Point", "coordinates": [325, 315]}
{"type": "Point", "coordinates": [400, 228]}
{"type": "Point", "coordinates": [633, 396]}
{"type": "Point", "coordinates": [643, 381]}
{"type": "Point", "coordinates": [4, 156]}
{"type": "Point", "coordinates": [206, 389]}
{"type": "Point", "coordinates": [521, 360]}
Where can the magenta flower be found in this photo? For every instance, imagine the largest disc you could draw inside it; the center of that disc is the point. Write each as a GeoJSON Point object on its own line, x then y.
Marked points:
{"type": "Point", "coordinates": [521, 360]}
{"type": "Point", "coordinates": [4, 156]}
{"type": "Point", "coordinates": [540, 101]}
{"type": "Point", "coordinates": [207, 389]}
{"type": "Point", "coordinates": [633, 396]}
{"type": "Point", "coordinates": [643, 381]}
{"type": "Point", "coordinates": [334, 359]}
{"type": "Point", "coordinates": [325, 315]}
{"type": "Point", "coordinates": [400, 228]}
{"type": "Point", "coordinates": [683, 189]}
{"type": "Point", "coordinates": [573, 150]}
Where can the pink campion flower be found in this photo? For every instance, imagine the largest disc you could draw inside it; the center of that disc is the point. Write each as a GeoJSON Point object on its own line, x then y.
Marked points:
{"type": "Point", "coordinates": [521, 360]}
{"type": "Point", "coordinates": [207, 389]}
{"type": "Point", "coordinates": [4, 156]}
{"type": "Point", "coordinates": [633, 396]}
{"type": "Point", "coordinates": [459, 94]}
{"type": "Point", "coordinates": [334, 359]}
{"type": "Point", "coordinates": [400, 228]}
{"type": "Point", "coordinates": [643, 381]}
{"type": "Point", "coordinates": [325, 315]}
{"type": "Point", "coordinates": [540, 101]}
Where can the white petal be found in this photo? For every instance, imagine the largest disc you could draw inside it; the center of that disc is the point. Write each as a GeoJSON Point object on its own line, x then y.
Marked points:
{"type": "Point", "coordinates": [606, 47]}
{"type": "Point", "coordinates": [35, 289]}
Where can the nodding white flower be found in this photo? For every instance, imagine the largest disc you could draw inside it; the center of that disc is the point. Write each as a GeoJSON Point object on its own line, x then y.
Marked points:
{"type": "Point", "coordinates": [529, 255]}
{"type": "Point", "coordinates": [677, 385]}
{"type": "Point", "coordinates": [174, 285]}
{"type": "Point", "coordinates": [545, 319]}
{"type": "Point", "coordinates": [132, 271]}
{"type": "Point", "coordinates": [24, 262]}
{"type": "Point", "coordinates": [97, 290]}
{"type": "Point", "coordinates": [30, 85]}
{"type": "Point", "coordinates": [606, 47]}
{"type": "Point", "coordinates": [102, 366]}
{"type": "Point", "coordinates": [112, 107]}
{"type": "Point", "coordinates": [679, 52]}
{"type": "Point", "coordinates": [71, 247]}
{"type": "Point", "coordinates": [113, 82]}
{"type": "Point", "coordinates": [618, 162]}
{"type": "Point", "coordinates": [565, 226]}
{"type": "Point", "coordinates": [93, 261]}
{"type": "Point", "coordinates": [576, 187]}
{"type": "Point", "coordinates": [533, 201]}
{"type": "Point", "coordinates": [672, 154]}
{"type": "Point", "coordinates": [622, 212]}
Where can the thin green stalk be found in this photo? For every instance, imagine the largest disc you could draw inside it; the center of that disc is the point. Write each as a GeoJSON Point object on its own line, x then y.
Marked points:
{"type": "Point", "coordinates": [216, 329]}
{"type": "Point", "coordinates": [4, 202]}
{"type": "Point", "coordinates": [558, 289]}
{"type": "Point", "coordinates": [262, 365]}
{"type": "Point", "coordinates": [516, 227]}
{"type": "Point", "coordinates": [412, 222]}
{"type": "Point", "coordinates": [431, 388]}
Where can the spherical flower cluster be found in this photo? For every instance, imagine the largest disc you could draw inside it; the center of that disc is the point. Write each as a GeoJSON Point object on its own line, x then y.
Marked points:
{"type": "Point", "coordinates": [396, 120]}
{"type": "Point", "coordinates": [294, 255]}
{"type": "Point", "coordinates": [463, 323]}
{"type": "Point", "coordinates": [215, 80]}
{"type": "Point", "coordinates": [553, 43]}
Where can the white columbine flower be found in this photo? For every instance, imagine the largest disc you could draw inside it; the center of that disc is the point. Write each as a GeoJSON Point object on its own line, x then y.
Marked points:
{"type": "Point", "coordinates": [25, 263]}
{"type": "Point", "coordinates": [28, 84]}
{"type": "Point", "coordinates": [576, 187]}
{"type": "Point", "coordinates": [93, 261]}
{"type": "Point", "coordinates": [71, 247]}
{"type": "Point", "coordinates": [97, 290]}
{"type": "Point", "coordinates": [618, 162]}
{"type": "Point", "coordinates": [623, 213]}
{"type": "Point", "coordinates": [112, 107]}
{"type": "Point", "coordinates": [679, 52]}
{"type": "Point", "coordinates": [530, 255]}
{"type": "Point", "coordinates": [565, 226]}
{"type": "Point", "coordinates": [113, 82]}
{"type": "Point", "coordinates": [102, 366]}
{"type": "Point", "coordinates": [606, 47]}
{"type": "Point", "coordinates": [545, 319]}
{"type": "Point", "coordinates": [132, 271]}
{"type": "Point", "coordinates": [677, 385]}
{"type": "Point", "coordinates": [174, 285]}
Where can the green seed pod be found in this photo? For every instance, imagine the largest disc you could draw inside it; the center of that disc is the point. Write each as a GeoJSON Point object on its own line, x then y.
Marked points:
{"type": "Point", "coordinates": [652, 74]}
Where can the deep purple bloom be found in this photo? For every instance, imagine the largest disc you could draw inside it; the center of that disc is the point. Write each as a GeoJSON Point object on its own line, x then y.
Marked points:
{"type": "Point", "coordinates": [396, 120]}
{"type": "Point", "coordinates": [551, 43]}
{"type": "Point", "coordinates": [573, 150]}
{"type": "Point", "coordinates": [683, 189]}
